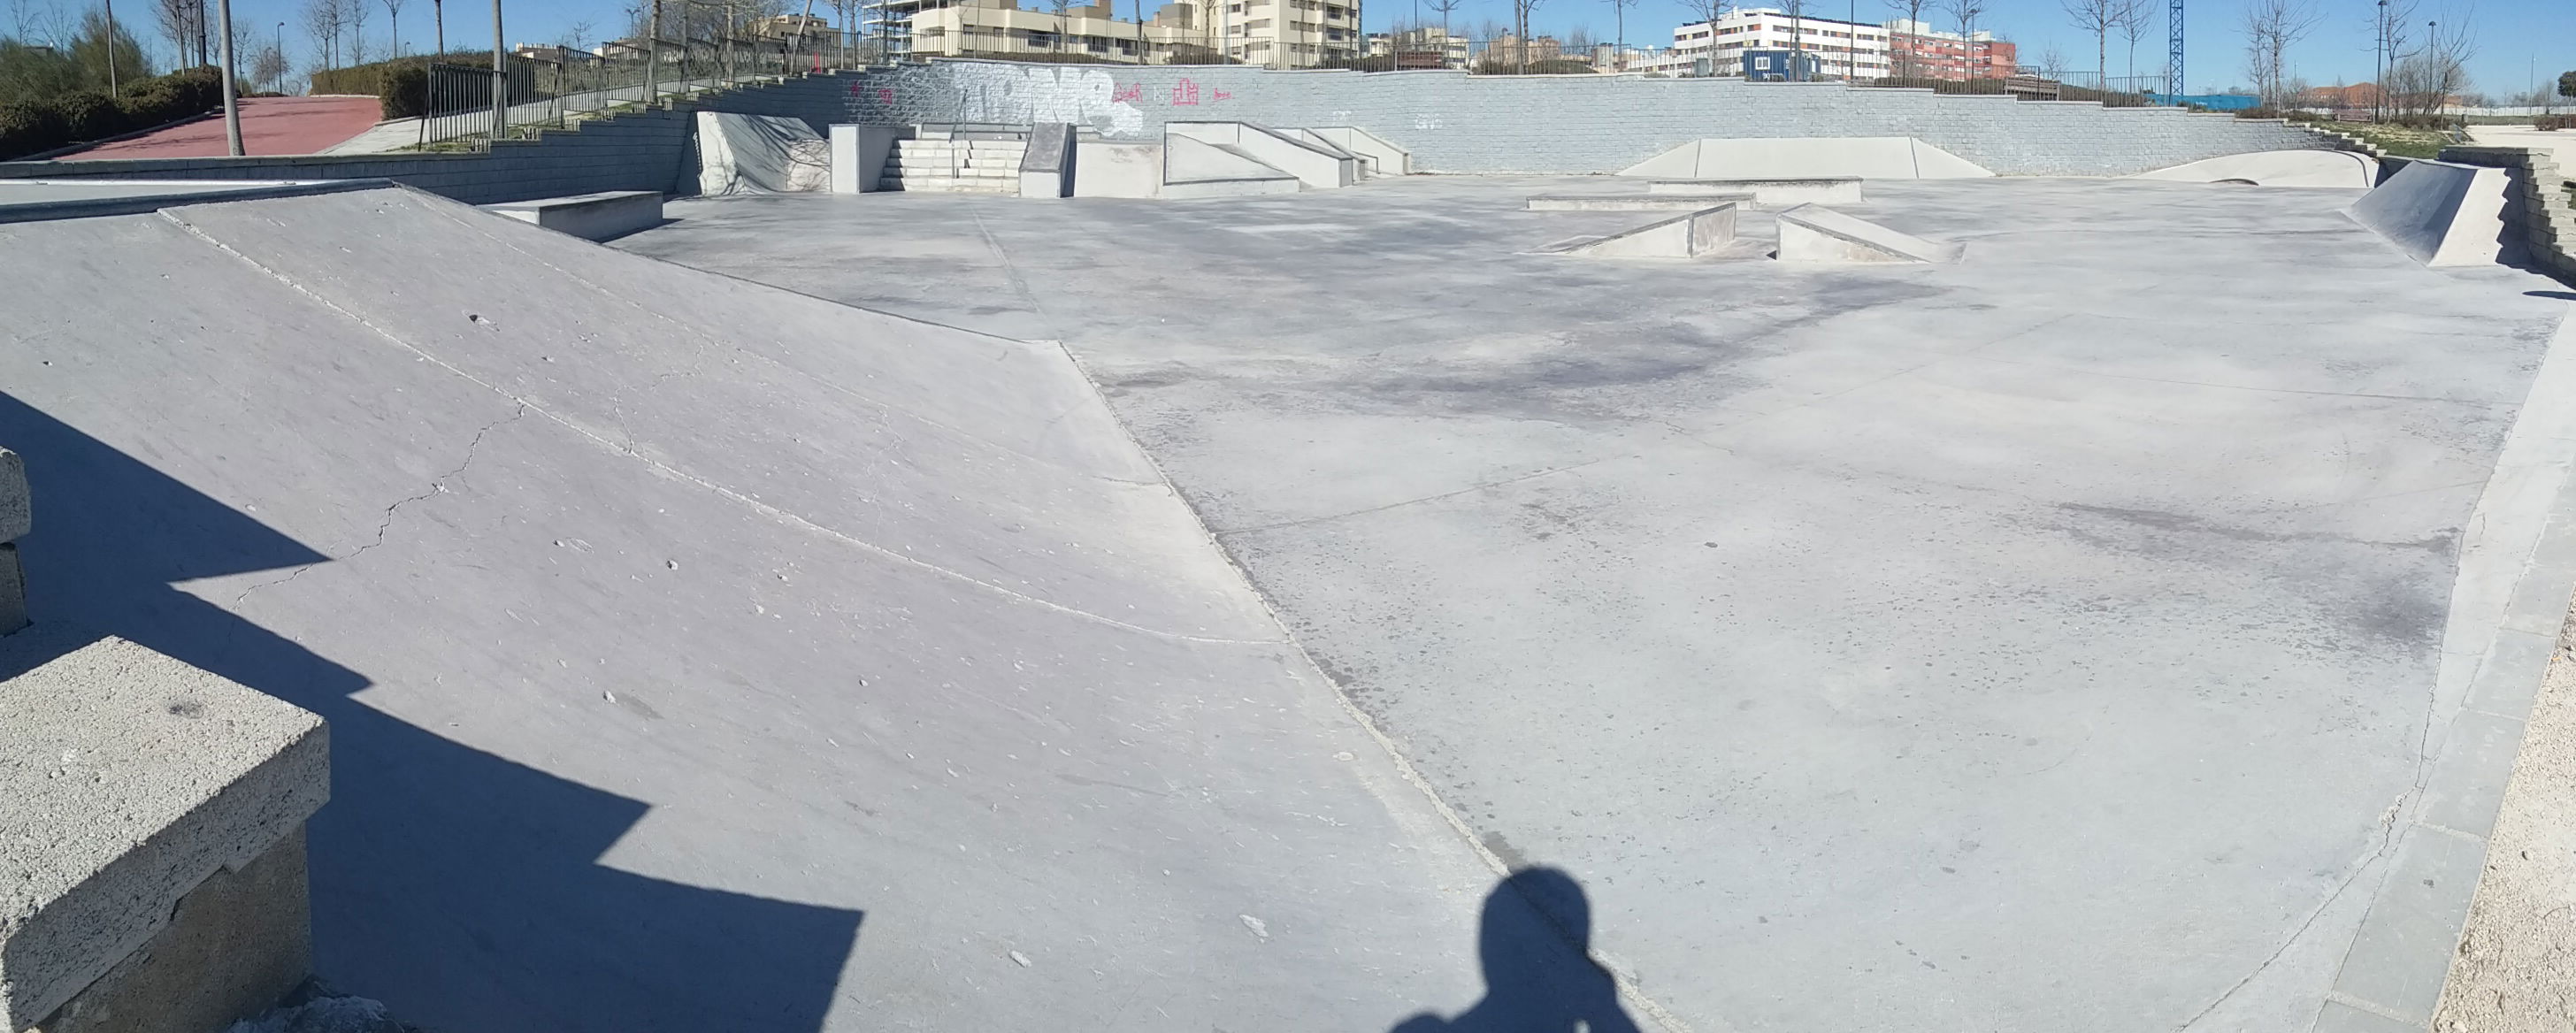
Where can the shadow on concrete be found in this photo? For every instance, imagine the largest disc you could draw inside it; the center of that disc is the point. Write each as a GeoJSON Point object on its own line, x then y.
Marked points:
{"type": "Point", "coordinates": [2560, 295]}
{"type": "Point", "coordinates": [458, 887]}
{"type": "Point", "coordinates": [1532, 942]}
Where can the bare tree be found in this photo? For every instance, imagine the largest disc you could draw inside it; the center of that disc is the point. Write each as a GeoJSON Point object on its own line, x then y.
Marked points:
{"type": "Point", "coordinates": [393, 18]}
{"type": "Point", "coordinates": [1966, 13]}
{"type": "Point", "coordinates": [1618, 29]}
{"type": "Point", "coordinates": [2391, 24]}
{"type": "Point", "coordinates": [2097, 17]}
{"type": "Point", "coordinates": [2136, 16]}
{"type": "Point", "coordinates": [1906, 65]}
{"type": "Point", "coordinates": [179, 20]}
{"type": "Point", "coordinates": [353, 14]}
{"type": "Point", "coordinates": [1060, 6]}
{"type": "Point", "coordinates": [1521, 10]}
{"type": "Point", "coordinates": [2271, 28]}
{"type": "Point", "coordinates": [322, 21]}
{"type": "Point", "coordinates": [269, 66]}
{"type": "Point", "coordinates": [1707, 12]}
{"type": "Point", "coordinates": [2423, 82]}
{"type": "Point", "coordinates": [2051, 64]}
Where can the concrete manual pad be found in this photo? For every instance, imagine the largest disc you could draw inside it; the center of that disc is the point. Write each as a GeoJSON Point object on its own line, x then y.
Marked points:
{"type": "Point", "coordinates": [703, 656]}
{"type": "Point", "coordinates": [600, 216]}
{"type": "Point", "coordinates": [1632, 202]}
{"type": "Point", "coordinates": [1690, 235]}
{"type": "Point", "coordinates": [2009, 648]}
{"type": "Point", "coordinates": [1813, 233]}
{"type": "Point", "coordinates": [1773, 193]}
{"type": "Point", "coordinates": [2442, 214]}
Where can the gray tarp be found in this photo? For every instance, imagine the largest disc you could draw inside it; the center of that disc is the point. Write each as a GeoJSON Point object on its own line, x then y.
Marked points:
{"type": "Point", "coordinates": [760, 154]}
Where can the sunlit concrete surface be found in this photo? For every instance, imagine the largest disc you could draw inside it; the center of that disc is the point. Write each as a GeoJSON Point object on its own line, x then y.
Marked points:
{"type": "Point", "coordinates": [2074, 637]}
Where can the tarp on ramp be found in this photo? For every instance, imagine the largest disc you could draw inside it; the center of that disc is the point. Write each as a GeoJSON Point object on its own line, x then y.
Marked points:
{"type": "Point", "coordinates": [703, 656]}
{"type": "Point", "coordinates": [760, 154]}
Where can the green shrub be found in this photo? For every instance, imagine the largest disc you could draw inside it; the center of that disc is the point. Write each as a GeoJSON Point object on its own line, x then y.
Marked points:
{"type": "Point", "coordinates": [406, 91]}
{"type": "Point", "coordinates": [89, 116]}
{"type": "Point", "coordinates": [29, 127]}
{"type": "Point", "coordinates": [2553, 122]}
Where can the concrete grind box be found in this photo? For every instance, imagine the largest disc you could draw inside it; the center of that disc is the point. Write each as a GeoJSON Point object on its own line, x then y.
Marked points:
{"type": "Point", "coordinates": [152, 869]}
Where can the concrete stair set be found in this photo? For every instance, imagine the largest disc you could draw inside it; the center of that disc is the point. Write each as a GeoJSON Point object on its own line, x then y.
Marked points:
{"type": "Point", "coordinates": [954, 166]}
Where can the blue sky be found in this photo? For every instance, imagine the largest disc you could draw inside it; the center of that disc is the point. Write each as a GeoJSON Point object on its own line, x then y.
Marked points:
{"type": "Point", "coordinates": [2513, 37]}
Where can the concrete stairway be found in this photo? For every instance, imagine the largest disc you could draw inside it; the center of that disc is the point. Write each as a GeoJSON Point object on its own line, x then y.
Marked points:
{"type": "Point", "coordinates": [962, 166]}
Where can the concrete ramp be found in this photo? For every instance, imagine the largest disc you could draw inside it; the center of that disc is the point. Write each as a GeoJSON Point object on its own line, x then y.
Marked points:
{"type": "Point", "coordinates": [1813, 233]}
{"type": "Point", "coordinates": [760, 154]}
{"type": "Point", "coordinates": [2276, 169]}
{"type": "Point", "coordinates": [1811, 157]}
{"type": "Point", "coordinates": [1692, 235]}
{"type": "Point", "coordinates": [704, 656]}
{"type": "Point", "coordinates": [1319, 166]}
{"type": "Point", "coordinates": [2440, 213]}
{"type": "Point", "coordinates": [1381, 156]}
{"type": "Point", "coordinates": [1193, 167]}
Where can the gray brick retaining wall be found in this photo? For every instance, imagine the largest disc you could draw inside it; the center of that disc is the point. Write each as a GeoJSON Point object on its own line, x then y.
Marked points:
{"type": "Point", "coordinates": [1454, 122]}
{"type": "Point", "coordinates": [1451, 121]}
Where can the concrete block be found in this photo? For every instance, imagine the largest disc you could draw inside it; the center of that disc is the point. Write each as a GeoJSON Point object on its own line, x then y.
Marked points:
{"type": "Point", "coordinates": [16, 511]}
{"type": "Point", "coordinates": [1813, 233]}
{"type": "Point", "coordinates": [1104, 168]}
{"type": "Point", "coordinates": [599, 216]}
{"type": "Point", "coordinates": [234, 947]}
{"type": "Point", "coordinates": [859, 155]}
{"type": "Point", "coordinates": [1047, 163]}
{"type": "Point", "coordinates": [13, 589]}
{"type": "Point", "coordinates": [127, 781]}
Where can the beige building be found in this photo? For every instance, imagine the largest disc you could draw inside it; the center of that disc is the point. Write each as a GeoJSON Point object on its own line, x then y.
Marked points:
{"type": "Point", "coordinates": [1273, 33]}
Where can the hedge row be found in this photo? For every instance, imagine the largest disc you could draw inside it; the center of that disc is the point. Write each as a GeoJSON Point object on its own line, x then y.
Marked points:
{"type": "Point", "coordinates": [36, 126]}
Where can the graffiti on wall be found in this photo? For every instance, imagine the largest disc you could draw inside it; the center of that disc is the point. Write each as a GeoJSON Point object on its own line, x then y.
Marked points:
{"type": "Point", "coordinates": [1041, 93]}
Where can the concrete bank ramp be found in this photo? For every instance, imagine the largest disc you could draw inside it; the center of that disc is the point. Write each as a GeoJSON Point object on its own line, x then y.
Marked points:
{"type": "Point", "coordinates": [2442, 214]}
{"type": "Point", "coordinates": [760, 154]}
{"type": "Point", "coordinates": [703, 656]}
{"type": "Point", "coordinates": [2276, 169]}
{"type": "Point", "coordinates": [1808, 157]}
{"type": "Point", "coordinates": [1193, 167]}
{"type": "Point", "coordinates": [1814, 233]}
{"type": "Point", "coordinates": [1697, 234]}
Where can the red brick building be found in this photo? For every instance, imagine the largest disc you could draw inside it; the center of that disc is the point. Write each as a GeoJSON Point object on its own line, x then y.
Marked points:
{"type": "Point", "coordinates": [1919, 51]}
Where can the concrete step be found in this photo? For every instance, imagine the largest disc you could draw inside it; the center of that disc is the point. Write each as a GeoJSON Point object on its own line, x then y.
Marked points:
{"type": "Point", "coordinates": [990, 168]}
{"type": "Point", "coordinates": [944, 185]}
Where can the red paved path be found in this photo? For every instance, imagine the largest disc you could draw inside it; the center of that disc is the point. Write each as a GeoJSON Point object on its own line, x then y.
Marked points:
{"type": "Point", "coordinates": [270, 125]}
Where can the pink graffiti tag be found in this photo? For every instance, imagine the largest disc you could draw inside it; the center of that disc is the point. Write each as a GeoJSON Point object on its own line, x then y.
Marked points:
{"type": "Point", "coordinates": [885, 95]}
{"type": "Point", "coordinates": [1185, 94]}
{"type": "Point", "coordinates": [1134, 91]}
{"type": "Point", "coordinates": [1221, 95]}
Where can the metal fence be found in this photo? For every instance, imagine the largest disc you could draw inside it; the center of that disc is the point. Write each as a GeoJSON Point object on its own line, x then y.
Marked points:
{"type": "Point", "coordinates": [557, 88]}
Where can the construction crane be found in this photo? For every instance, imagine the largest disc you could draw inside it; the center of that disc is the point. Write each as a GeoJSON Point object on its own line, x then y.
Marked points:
{"type": "Point", "coordinates": [2173, 50]}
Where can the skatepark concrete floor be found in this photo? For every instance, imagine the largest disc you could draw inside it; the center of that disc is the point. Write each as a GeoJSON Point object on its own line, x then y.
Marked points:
{"type": "Point", "coordinates": [2088, 635]}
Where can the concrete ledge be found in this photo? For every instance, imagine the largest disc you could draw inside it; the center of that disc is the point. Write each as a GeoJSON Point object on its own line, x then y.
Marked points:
{"type": "Point", "coordinates": [1047, 166]}
{"type": "Point", "coordinates": [1633, 202]}
{"type": "Point", "coordinates": [1784, 193]}
{"type": "Point", "coordinates": [859, 156]}
{"type": "Point", "coordinates": [129, 781]}
{"type": "Point", "coordinates": [1108, 168]}
{"type": "Point", "coordinates": [600, 216]}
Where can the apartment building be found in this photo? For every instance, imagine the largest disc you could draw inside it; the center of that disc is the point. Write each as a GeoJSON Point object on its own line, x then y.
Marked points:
{"type": "Point", "coordinates": [1839, 49]}
{"type": "Point", "coordinates": [1427, 47]}
{"type": "Point", "coordinates": [1272, 33]}
{"type": "Point", "coordinates": [1919, 51]}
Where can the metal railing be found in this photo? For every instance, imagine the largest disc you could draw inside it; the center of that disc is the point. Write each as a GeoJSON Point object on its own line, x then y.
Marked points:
{"type": "Point", "coordinates": [559, 89]}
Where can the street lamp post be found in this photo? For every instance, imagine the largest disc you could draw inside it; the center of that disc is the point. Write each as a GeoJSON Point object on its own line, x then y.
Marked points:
{"type": "Point", "coordinates": [500, 79]}
{"type": "Point", "coordinates": [232, 104]}
{"type": "Point", "coordinates": [2379, 72]}
{"type": "Point", "coordinates": [277, 79]}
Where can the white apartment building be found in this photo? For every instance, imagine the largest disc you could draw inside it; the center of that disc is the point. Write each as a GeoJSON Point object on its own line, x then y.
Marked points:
{"type": "Point", "coordinates": [1841, 49]}
{"type": "Point", "coordinates": [1272, 33]}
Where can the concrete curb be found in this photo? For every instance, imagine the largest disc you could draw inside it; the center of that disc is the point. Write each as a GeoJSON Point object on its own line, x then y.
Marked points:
{"type": "Point", "coordinates": [2517, 567]}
